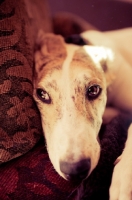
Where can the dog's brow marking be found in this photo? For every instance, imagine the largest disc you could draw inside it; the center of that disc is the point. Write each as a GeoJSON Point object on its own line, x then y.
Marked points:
{"type": "Point", "coordinates": [50, 63]}
{"type": "Point", "coordinates": [70, 53]}
{"type": "Point", "coordinates": [43, 65]}
{"type": "Point", "coordinates": [45, 60]}
{"type": "Point", "coordinates": [65, 67]}
{"type": "Point", "coordinates": [81, 56]}
{"type": "Point", "coordinates": [53, 85]}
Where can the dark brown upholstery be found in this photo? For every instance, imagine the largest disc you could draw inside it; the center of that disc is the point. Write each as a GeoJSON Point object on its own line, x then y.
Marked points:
{"type": "Point", "coordinates": [20, 127]}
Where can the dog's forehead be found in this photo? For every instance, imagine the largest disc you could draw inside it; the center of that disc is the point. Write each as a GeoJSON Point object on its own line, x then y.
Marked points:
{"type": "Point", "coordinates": [75, 60]}
{"type": "Point", "coordinates": [55, 58]}
{"type": "Point", "coordinates": [81, 60]}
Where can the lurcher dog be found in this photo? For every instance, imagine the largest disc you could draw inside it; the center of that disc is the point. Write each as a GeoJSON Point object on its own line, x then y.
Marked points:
{"type": "Point", "coordinates": [72, 86]}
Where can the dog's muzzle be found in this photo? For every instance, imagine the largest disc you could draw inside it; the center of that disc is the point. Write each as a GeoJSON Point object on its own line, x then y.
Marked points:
{"type": "Point", "coordinates": [76, 171]}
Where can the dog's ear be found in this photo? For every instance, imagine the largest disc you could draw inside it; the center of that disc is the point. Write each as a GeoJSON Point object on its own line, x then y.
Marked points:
{"type": "Point", "coordinates": [48, 47]}
{"type": "Point", "coordinates": [50, 44]}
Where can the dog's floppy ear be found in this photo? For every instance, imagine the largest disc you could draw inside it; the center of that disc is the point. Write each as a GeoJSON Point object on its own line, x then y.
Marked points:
{"type": "Point", "coordinates": [50, 44]}
{"type": "Point", "coordinates": [48, 47]}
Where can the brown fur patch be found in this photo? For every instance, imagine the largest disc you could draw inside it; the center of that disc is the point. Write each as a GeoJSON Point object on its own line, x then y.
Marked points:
{"type": "Point", "coordinates": [49, 55]}
{"type": "Point", "coordinates": [50, 48]}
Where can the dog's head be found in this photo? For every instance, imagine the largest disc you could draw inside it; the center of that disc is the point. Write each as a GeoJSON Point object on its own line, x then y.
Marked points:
{"type": "Point", "coordinates": [70, 91]}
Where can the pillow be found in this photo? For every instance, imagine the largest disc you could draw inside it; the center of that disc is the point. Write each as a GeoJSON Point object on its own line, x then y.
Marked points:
{"type": "Point", "coordinates": [20, 127]}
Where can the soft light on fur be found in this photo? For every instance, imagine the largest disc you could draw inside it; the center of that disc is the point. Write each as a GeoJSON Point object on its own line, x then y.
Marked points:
{"type": "Point", "coordinates": [71, 121]}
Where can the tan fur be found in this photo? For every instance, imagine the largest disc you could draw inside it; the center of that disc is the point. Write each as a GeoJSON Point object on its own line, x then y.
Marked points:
{"type": "Point", "coordinates": [71, 122]}
{"type": "Point", "coordinates": [67, 86]}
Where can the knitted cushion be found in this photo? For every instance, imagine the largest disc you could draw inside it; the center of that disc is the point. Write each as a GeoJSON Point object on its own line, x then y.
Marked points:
{"type": "Point", "coordinates": [20, 126]}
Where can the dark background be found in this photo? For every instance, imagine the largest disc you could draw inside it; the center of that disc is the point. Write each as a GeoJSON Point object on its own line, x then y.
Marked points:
{"type": "Point", "coordinates": [103, 14]}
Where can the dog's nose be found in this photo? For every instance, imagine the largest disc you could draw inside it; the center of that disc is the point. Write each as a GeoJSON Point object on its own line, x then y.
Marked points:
{"type": "Point", "coordinates": [76, 171]}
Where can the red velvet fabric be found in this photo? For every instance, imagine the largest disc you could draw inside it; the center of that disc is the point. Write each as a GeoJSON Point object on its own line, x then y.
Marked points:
{"type": "Point", "coordinates": [32, 177]}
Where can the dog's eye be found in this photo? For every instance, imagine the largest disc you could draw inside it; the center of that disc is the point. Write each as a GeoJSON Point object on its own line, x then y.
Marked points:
{"type": "Point", "coordinates": [43, 96]}
{"type": "Point", "coordinates": [93, 92]}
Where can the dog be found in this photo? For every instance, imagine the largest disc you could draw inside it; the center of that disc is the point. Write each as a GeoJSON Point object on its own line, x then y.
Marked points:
{"type": "Point", "coordinates": [77, 88]}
